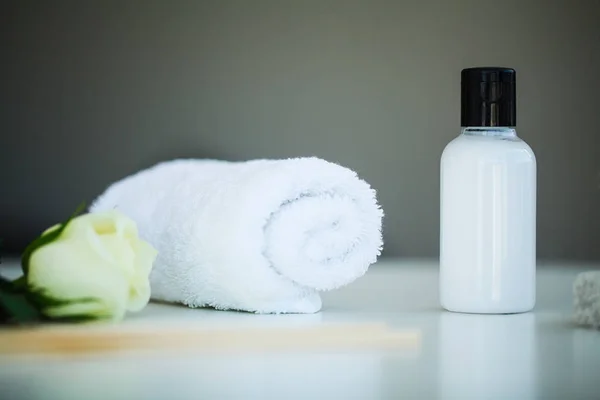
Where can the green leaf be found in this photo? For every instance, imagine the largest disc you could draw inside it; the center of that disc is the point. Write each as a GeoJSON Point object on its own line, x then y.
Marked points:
{"type": "Point", "coordinates": [22, 305]}
{"type": "Point", "coordinates": [46, 239]}
{"type": "Point", "coordinates": [15, 307]}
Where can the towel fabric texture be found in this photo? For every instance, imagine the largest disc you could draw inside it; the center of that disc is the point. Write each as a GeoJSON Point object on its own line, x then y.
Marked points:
{"type": "Point", "coordinates": [263, 236]}
{"type": "Point", "coordinates": [586, 289]}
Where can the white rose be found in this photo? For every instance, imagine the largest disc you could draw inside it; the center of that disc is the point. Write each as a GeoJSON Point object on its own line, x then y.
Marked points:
{"type": "Point", "coordinates": [98, 257]}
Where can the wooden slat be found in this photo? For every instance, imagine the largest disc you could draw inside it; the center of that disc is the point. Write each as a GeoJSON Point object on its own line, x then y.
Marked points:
{"type": "Point", "coordinates": [74, 340]}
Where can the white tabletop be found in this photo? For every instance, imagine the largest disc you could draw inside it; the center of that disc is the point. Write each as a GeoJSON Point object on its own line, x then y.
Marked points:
{"type": "Point", "coordinates": [538, 355]}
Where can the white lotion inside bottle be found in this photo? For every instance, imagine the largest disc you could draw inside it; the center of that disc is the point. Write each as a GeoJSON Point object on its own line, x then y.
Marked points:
{"type": "Point", "coordinates": [488, 219]}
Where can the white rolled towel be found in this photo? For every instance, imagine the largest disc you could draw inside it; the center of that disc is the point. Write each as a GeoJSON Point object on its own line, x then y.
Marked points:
{"type": "Point", "coordinates": [262, 236]}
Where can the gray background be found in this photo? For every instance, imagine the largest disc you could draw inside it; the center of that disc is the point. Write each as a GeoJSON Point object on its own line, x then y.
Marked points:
{"type": "Point", "coordinates": [95, 90]}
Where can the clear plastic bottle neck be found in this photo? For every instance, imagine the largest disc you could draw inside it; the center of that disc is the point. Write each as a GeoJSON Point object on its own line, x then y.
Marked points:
{"type": "Point", "coordinates": [493, 131]}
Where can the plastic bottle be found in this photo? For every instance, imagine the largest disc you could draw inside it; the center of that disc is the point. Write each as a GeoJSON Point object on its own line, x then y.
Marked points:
{"type": "Point", "coordinates": [488, 202]}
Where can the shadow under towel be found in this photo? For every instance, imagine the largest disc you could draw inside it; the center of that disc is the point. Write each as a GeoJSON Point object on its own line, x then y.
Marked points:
{"type": "Point", "coordinates": [262, 236]}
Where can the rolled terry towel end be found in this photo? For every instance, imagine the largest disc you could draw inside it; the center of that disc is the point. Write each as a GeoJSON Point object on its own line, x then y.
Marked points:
{"type": "Point", "coordinates": [262, 236]}
{"type": "Point", "coordinates": [587, 299]}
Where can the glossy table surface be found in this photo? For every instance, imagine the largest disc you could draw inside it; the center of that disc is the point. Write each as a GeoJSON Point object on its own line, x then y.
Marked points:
{"type": "Point", "coordinates": [537, 355]}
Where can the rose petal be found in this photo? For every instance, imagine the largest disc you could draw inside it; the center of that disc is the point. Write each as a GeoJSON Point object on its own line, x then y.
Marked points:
{"type": "Point", "coordinates": [72, 270]}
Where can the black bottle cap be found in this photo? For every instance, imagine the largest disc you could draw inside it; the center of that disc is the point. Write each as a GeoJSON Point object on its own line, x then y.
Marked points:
{"type": "Point", "coordinates": [488, 97]}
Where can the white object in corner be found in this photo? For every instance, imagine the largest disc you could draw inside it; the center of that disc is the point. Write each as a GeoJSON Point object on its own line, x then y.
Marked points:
{"type": "Point", "coordinates": [586, 291]}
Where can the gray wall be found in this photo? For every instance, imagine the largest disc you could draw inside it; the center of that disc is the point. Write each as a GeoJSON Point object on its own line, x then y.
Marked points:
{"type": "Point", "coordinates": [94, 90]}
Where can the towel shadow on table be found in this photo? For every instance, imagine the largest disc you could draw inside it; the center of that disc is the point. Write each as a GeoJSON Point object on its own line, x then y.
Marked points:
{"type": "Point", "coordinates": [216, 311]}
